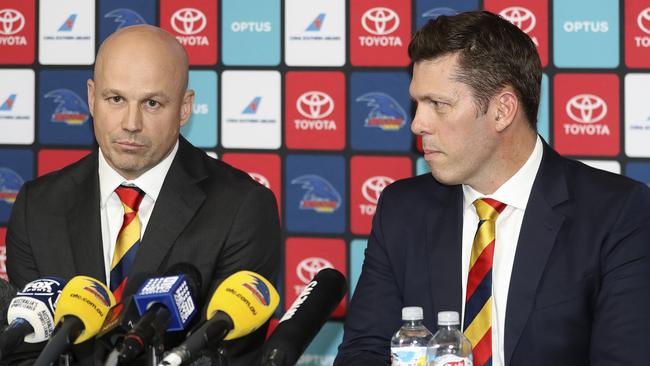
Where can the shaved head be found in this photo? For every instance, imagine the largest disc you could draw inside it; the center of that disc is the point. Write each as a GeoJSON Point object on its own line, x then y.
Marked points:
{"type": "Point", "coordinates": [147, 41]}
{"type": "Point", "coordinates": [139, 98]}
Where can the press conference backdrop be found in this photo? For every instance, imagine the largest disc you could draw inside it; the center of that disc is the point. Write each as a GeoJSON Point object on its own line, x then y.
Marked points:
{"type": "Point", "coordinates": [310, 98]}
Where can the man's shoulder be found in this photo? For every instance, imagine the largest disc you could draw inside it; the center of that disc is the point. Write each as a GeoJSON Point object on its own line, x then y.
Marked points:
{"type": "Point", "coordinates": [417, 191]}
{"type": "Point", "coordinates": [217, 172]}
{"type": "Point", "coordinates": [58, 181]}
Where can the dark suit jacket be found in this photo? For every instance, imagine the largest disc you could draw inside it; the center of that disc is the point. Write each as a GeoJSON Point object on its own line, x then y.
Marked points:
{"type": "Point", "coordinates": [208, 214]}
{"type": "Point", "coordinates": [580, 287]}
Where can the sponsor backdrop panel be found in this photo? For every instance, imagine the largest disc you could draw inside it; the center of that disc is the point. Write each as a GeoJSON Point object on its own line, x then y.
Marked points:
{"type": "Point", "coordinates": [17, 31]}
{"type": "Point", "coordinates": [320, 114]}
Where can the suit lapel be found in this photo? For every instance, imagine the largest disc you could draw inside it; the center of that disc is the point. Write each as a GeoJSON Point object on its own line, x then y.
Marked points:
{"type": "Point", "coordinates": [177, 203]}
{"type": "Point", "coordinates": [443, 240]}
{"type": "Point", "coordinates": [84, 224]}
{"type": "Point", "coordinates": [539, 230]}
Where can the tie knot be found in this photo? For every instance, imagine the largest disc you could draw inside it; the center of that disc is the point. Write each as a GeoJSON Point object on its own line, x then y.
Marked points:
{"type": "Point", "coordinates": [130, 196]}
{"type": "Point", "coordinates": [488, 208]}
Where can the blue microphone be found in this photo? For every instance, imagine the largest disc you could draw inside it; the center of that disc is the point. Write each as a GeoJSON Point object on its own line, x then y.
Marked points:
{"type": "Point", "coordinates": [31, 314]}
{"type": "Point", "coordinates": [165, 304]}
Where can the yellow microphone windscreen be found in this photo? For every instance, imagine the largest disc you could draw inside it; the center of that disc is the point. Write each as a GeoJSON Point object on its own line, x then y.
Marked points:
{"type": "Point", "coordinates": [248, 298]}
{"type": "Point", "coordinates": [87, 299]}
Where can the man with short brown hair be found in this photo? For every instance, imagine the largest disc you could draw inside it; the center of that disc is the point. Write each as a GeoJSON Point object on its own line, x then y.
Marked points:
{"type": "Point", "coordinates": [546, 259]}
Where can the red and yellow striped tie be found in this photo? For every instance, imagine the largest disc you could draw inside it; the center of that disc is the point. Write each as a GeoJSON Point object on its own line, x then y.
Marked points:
{"type": "Point", "coordinates": [128, 239]}
{"type": "Point", "coordinates": [478, 302]}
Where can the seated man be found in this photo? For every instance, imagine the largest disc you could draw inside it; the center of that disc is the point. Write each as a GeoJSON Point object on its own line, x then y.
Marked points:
{"type": "Point", "coordinates": [558, 272]}
{"type": "Point", "coordinates": [185, 206]}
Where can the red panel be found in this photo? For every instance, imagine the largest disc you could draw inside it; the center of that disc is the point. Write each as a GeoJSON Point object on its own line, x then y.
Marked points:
{"type": "Point", "coordinates": [51, 160]}
{"type": "Point", "coordinates": [17, 31]}
{"type": "Point", "coordinates": [380, 31]}
{"type": "Point", "coordinates": [315, 110]}
{"type": "Point", "coordinates": [368, 177]}
{"type": "Point", "coordinates": [304, 257]}
{"type": "Point", "coordinates": [587, 114]}
{"type": "Point", "coordinates": [194, 23]}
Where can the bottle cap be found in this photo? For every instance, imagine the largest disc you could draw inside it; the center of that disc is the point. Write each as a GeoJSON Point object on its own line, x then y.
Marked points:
{"type": "Point", "coordinates": [412, 313]}
{"type": "Point", "coordinates": [448, 318]}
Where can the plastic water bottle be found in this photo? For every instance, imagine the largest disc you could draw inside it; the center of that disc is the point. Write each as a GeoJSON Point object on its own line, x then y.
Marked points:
{"type": "Point", "coordinates": [449, 346]}
{"type": "Point", "coordinates": [410, 343]}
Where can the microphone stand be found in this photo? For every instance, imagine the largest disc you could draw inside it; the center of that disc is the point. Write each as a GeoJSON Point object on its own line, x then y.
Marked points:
{"type": "Point", "coordinates": [154, 351]}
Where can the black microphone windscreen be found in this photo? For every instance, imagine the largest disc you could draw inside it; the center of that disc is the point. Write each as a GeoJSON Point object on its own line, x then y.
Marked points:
{"type": "Point", "coordinates": [305, 317]}
{"type": "Point", "coordinates": [7, 293]}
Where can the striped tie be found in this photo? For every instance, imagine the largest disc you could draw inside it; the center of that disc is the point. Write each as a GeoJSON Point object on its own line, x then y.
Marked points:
{"type": "Point", "coordinates": [128, 239]}
{"type": "Point", "coordinates": [478, 302]}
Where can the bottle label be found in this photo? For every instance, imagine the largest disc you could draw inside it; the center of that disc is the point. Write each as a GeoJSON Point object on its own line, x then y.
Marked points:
{"type": "Point", "coordinates": [408, 356]}
{"type": "Point", "coordinates": [452, 360]}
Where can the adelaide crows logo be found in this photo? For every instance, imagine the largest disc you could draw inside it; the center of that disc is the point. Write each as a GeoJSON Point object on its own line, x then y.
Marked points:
{"type": "Point", "coordinates": [125, 18]}
{"type": "Point", "coordinates": [259, 290]}
{"type": "Point", "coordinates": [99, 292]}
{"type": "Point", "coordinates": [321, 196]}
{"type": "Point", "coordinates": [386, 113]}
{"type": "Point", "coordinates": [71, 109]}
{"type": "Point", "coordinates": [10, 183]}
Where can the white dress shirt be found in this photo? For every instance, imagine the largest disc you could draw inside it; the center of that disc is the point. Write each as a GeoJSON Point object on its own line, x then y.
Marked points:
{"type": "Point", "coordinates": [112, 211]}
{"type": "Point", "coordinates": [514, 192]}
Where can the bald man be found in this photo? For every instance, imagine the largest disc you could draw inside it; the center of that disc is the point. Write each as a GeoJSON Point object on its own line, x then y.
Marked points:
{"type": "Point", "coordinates": [190, 207]}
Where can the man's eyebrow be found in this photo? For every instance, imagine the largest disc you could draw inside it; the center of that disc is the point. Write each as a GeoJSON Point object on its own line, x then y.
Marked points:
{"type": "Point", "coordinates": [152, 95]}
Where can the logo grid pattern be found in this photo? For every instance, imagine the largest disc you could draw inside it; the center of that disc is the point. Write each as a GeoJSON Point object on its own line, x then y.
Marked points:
{"type": "Point", "coordinates": [333, 96]}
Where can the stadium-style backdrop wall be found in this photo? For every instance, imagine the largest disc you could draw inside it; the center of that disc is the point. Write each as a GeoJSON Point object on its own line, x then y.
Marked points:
{"type": "Point", "coordinates": [310, 98]}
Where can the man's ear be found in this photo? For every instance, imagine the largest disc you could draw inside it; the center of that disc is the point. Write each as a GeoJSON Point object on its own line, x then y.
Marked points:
{"type": "Point", "coordinates": [506, 105]}
{"type": "Point", "coordinates": [90, 90]}
{"type": "Point", "coordinates": [186, 106]}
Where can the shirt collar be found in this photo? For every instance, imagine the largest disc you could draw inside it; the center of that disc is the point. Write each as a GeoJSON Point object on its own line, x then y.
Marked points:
{"type": "Point", "coordinates": [516, 190]}
{"type": "Point", "coordinates": [150, 181]}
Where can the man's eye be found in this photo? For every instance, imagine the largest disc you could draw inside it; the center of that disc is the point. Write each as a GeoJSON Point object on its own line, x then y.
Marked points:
{"type": "Point", "coordinates": [152, 103]}
{"type": "Point", "coordinates": [116, 99]}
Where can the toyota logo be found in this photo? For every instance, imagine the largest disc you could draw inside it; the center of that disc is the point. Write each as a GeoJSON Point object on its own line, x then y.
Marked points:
{"type": "Point", "coordinates": [309, 267]}
{"type": "Point", "coordinates": [315, 105]}
{"type": "Point", "coordinates": [523, 18]}
{"type": "Point", "coordinates": [586, 108]}
{"type": "Point", "coordinates": [11, 21]}
{"type": "Point", "coordinates": [380, 21]}
{"type": "Point", "coordinates": [643, 20]}
{"type": "Point", "coordinates": [259, 178]}
{"type": "Point", "coordinates": [372, 187]}
{"type": "Point", "coordinates": [188, 21]}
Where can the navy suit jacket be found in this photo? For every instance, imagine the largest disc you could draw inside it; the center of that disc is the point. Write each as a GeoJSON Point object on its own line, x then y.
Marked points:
{"type": "Point", "coordinates": [580, 287]}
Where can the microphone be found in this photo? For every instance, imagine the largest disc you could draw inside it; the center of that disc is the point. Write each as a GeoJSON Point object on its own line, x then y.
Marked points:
{"type": "Point", "coordinates": [242, 303]}
{"type": "Point", "coordinates": [30, 313]}
{"type": "Point", "coordinates": [7, 293]}
{"type": "Point", "coordinates": [121, 317]}
{"type": "Point", "coordinates": [80, 312]}
{"type": "Point", "coordinates": [164, 303]}
{"type": "Point", "coordinates": [304, 319]}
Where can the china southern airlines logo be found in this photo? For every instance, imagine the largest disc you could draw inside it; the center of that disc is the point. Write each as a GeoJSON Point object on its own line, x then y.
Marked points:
{"type": "Point", "coordinates": [386, 113]}
{"type": "Point", "coordinates": [68, 24]}
{"type": "Point", "coordinates": [259, 289]}
{"type": "Point", "coordinates": [125, 18]}
{"type": "Point", "coordinates": [251, 108]}
{"type": "Point", "coordinates": [10, 183]}
{"type": "Point", "coordinates": [320, 195]}
{"type": "Point", "coordinates": [436, 12]}
{"type": "Point", "coordinates": [8, 103]}
{"type": "Point", "coordinates": [316, 24]}
{"type": "Point", "coordinates": [71, 109]}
